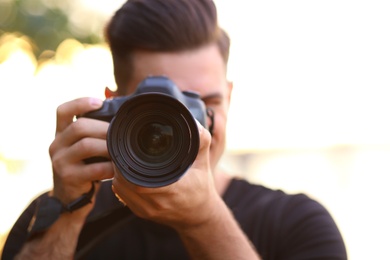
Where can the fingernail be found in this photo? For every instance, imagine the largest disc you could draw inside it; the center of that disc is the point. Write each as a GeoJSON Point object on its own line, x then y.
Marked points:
{"type": "Point", "coordinates": [96, 102]}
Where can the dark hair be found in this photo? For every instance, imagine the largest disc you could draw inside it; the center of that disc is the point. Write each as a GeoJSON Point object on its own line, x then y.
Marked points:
{"type": "Point", "coordinates": [162, 25]}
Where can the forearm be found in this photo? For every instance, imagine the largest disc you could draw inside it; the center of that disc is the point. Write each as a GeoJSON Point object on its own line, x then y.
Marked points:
{"type": "Point", "coordinates": [59, 241]}
{"type": "Point", "coordinates": [220, 238]}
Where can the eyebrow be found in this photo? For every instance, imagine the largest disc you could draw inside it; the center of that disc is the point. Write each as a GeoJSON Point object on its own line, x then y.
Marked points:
{"type": "Point", "coordinates": [215, 95]}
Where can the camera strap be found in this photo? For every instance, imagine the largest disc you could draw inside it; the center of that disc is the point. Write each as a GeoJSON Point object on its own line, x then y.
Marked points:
{"type": "Point", "coordinates": [94, 231]}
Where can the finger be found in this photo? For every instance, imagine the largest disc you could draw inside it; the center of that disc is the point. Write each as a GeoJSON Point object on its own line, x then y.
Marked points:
{"type": "Point", "coordinates": [82, 174]}
{"type": "Point", "coordinates": [98, 171]}
{"type": "Point", "coordinates": [131, 199]}
{"type": "Point", "coordinates": [201, 167]}
{"type": "Point", "coordinates": [141, 190]}
{"type": "Point", "coordinates": [67, 111]}
{"type": "Point", "coordinates": [75, 180]}
{"type": "Point", "coordinates": [204, 139]}
{"type": "Point", "coordinates": [86, 148]}
{"type": "Point", "coordinates": [83, 127]}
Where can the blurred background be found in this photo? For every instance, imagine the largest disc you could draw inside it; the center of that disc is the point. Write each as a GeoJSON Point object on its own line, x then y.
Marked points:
{"type": "Point", "coordinates": [309, 111]}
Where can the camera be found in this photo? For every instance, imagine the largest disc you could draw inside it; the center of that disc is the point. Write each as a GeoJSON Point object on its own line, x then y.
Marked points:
{"type": "Point", "coordinates": [153, 136]}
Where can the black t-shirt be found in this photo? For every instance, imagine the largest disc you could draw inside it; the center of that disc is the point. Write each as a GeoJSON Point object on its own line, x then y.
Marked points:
{"type": "Point", "coordinates": [280, 226]}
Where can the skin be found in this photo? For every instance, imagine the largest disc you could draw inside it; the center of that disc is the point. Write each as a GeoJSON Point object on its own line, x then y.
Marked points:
{"type": "Point", "coordinates": [192, 205]}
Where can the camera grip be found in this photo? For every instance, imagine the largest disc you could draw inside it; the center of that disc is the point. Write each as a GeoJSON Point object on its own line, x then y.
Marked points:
{"type": "Point", "coordinates": [108, 110]}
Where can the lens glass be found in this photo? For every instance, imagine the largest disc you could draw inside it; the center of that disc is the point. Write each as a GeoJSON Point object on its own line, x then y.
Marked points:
{"type": "Point", "coordinates": [155, 139]}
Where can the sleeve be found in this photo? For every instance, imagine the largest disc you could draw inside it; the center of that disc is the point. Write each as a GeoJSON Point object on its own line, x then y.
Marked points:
{"type": "Point", "coordinates": [310, 232]}
{"type": "Point", "coordinates": [19, 232]}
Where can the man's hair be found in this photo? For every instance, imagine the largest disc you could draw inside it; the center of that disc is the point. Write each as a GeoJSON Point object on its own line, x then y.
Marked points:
{"type": "Point", "coordinates": [161, 26]}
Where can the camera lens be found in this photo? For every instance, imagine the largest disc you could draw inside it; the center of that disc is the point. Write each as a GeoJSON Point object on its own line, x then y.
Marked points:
{"type": "Point", "coordinates": [153, 139]}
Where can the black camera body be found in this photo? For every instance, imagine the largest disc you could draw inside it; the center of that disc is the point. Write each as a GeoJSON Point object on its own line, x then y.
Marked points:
{"type": "Point", "coordinates": [153, 137]}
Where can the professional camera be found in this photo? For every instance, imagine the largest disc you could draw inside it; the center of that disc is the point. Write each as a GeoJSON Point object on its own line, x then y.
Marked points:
{"type": "Point", "coordinates": [153, 137]}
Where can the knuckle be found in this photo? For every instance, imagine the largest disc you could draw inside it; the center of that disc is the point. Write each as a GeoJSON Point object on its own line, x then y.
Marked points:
{"type": "Point", "coordinates": [56, 164]}
{"type": "Point", "coordinates": [52, 149]}
{"type": "Point", "coordinates": [66, 175]}
{"type": "Point", "coordinates": [61, 172]}
{"type": "Point", "coordinates": [78, 127]}
{"type": "Point", "coordinates": [61, 110]}
{"type": "Point", "coordinates": [84, 144]}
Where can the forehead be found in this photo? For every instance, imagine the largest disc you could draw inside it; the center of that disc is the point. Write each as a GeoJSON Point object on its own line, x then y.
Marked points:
{"type": "Point", "coordinates": [202, 70]}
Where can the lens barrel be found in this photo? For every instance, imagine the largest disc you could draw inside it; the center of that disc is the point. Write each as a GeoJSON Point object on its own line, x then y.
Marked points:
{"type": "Point", "coordinates": [153, 139]}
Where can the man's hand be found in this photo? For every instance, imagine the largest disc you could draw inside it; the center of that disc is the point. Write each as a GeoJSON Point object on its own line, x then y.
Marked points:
{"type": "Point", "coordinates": [193, 207]}
{"type": "Point", "coordinates": [187, 202]}
{"type": "Point", "coordinates": [74, 142]}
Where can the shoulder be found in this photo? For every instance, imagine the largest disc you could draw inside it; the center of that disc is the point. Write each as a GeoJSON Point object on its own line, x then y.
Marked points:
{"type": "Point", "coordinates": [282, 224]}
{"type": "Point", "coordinates": [19, 232]}
{"type": "Point", "coordinates": [241, 193]}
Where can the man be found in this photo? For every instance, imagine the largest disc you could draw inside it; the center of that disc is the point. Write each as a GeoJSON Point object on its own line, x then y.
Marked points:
{"type": "Point", "coordinates": [204, 215]}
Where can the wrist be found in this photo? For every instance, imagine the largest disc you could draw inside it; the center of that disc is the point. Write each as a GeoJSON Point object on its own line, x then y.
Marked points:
{"type": "Point", "coordinates": [59, 241]}
{"type": "Point", "coordinates": [212, 216]}
{"type": "Point", "coordinates": [49, 209]}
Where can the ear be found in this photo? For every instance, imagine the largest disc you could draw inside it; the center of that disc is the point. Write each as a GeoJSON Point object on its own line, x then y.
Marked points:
{"type": "Point", "coordinates": [230, 88]}
{"type": "Point", "coordinates": [109, 93]}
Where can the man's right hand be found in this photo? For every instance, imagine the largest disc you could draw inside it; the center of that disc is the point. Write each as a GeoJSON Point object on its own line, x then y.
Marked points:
{"type": "Point", "coordinates": [74, 142]}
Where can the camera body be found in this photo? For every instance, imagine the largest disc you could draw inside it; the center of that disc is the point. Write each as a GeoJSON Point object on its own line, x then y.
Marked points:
{"type": "Point", "coordinates": [157, 85]}
{"type": "Point", "coordinates": [153, 137]}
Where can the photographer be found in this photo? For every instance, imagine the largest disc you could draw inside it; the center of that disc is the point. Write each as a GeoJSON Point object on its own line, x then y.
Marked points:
{"type": "Point", "coordinates": [205, 214]}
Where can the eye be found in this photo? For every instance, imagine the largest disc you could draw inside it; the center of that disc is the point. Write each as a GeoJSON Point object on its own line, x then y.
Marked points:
{"type": "Point", "coordinates": [213, 100]}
